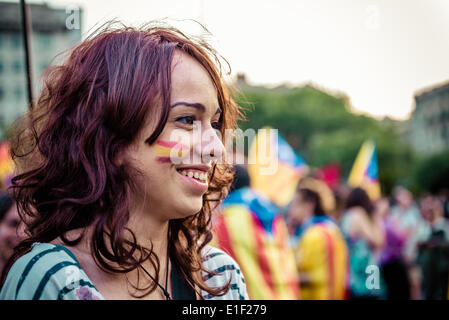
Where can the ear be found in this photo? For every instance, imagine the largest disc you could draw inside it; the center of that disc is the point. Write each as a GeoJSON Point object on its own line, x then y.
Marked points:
{"type": "Point", "coordinates": [120, 158]}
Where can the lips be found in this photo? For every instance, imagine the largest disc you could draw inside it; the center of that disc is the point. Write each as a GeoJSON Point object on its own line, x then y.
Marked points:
{"type": "Point", "coordinates": [195, 177]}
{"type": "Point", "coordinates": [199, 167]}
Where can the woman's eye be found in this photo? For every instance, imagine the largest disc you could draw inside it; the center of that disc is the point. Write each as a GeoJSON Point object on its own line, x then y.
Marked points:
{"type": "Point", "coordinates": [187, 120]}
{"type": "Point", "coordinates": [217, 125]}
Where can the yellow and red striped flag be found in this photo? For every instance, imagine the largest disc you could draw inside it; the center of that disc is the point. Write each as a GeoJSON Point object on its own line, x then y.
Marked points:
{"type": "Point", "coordinates": [364, 172]}
{"type": "Point", "coordinates": [252, 230]}
{"type": "Point", "coordinates": [274, 167]}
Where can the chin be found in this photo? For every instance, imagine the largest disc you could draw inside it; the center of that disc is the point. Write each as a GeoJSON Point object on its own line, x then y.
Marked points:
{"type": "Point", "coordinates": [189, 208]}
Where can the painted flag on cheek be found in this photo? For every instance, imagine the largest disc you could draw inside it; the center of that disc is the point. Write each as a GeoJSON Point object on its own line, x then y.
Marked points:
{"type": "Point", "coordinates": [169, 151]}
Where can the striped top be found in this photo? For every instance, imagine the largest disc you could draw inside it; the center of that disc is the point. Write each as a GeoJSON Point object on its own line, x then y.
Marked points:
{"type": "Point", "coordinates": [52, 272]}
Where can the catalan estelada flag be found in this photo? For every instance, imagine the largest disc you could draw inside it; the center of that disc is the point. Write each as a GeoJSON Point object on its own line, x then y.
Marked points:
{"type": "Point", "coordinates": [322, 256]}
{"type": "Point", "coordinates": [274, 167]}
{"type": "Point", "coordinates": [364, 172]}
{"type": "Point", "coordinates": [6, 164]}
{"type": "Point", "coordinates": [251, 229]}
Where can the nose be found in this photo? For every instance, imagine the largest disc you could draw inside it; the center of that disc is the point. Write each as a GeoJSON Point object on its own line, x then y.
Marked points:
{"type": "Point", "coordinates": [210, 146]}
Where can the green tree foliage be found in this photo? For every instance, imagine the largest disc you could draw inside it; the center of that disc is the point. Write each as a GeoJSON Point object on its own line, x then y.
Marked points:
{"type": "Point", "coordinates": [432, 173]}
{"type": "Point", "coordinates": [321, 128]}
{"type": "Point", "coordinates": [2, 132]}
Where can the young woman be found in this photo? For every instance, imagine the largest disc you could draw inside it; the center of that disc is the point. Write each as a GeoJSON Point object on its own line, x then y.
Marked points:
{"type": "Point", "coordinates": [109, 212]}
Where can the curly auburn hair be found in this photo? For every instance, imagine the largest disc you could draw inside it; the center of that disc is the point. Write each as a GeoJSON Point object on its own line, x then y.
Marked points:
{"type": "Point", "coordinates": [91, 107]}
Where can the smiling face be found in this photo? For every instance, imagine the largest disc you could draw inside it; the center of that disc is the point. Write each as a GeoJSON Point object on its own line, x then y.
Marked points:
{"type": "Point", "coordinates": [169, 189]}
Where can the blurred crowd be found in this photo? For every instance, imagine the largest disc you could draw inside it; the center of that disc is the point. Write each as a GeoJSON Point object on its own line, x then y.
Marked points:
{"type": "Point", "coordinates": [411, 243]}
{"type": "Point", "coordinates": [327, 244]}
{"type": "Point", "coordinates": [341, 243]}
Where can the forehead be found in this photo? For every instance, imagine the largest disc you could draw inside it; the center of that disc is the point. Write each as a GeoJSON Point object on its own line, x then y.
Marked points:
{"type": "Point", "coordinates": [191, 82]}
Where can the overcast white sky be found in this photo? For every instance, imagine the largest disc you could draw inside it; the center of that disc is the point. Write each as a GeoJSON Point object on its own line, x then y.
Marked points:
{"type": "Point", "coordinates": [378, 52]}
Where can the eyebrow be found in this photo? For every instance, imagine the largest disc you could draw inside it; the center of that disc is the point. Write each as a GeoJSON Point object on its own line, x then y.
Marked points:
{"type": "Point", "coordinates": [196, 105]}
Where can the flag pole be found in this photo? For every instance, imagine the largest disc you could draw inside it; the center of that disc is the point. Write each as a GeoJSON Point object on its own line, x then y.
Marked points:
{"type": "Point", "coordinates": [26, 29]}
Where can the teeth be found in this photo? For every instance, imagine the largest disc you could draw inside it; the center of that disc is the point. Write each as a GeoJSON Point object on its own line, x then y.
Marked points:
{"type": "Point", "coordinates": [199, 176]}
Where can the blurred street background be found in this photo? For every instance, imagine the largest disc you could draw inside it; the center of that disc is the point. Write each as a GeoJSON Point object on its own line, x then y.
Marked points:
{"type": "Point", "coordinates": [359, 93]}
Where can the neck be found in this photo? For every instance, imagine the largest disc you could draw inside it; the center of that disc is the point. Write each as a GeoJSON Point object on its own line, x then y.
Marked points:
{"type": "Point", "coordinates": [150, 232]}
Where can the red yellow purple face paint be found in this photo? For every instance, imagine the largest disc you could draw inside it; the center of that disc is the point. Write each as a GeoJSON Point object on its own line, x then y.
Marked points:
{"type": "Point", "coordinates": [166, 151]}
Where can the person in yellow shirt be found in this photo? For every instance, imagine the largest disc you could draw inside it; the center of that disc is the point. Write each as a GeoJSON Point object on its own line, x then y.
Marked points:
{"type": "Point", "coordinates": [320, 248]}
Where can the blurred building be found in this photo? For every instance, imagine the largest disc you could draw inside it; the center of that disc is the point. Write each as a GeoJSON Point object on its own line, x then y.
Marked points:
{"type": "Point", "coordinates": [429, 123]}
{"type": "Point", "coordinates": [401, 126]}
{"type": "Point", "coordinates": [53, 31]}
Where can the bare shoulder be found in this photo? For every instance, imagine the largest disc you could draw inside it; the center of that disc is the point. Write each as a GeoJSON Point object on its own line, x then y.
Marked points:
{"type": "Point", "coordinates": [81, 252]}
{"type": "Point", "coordinates": [82, 249]}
